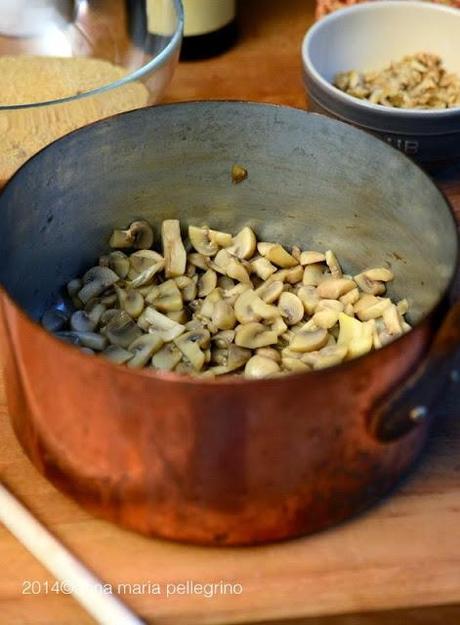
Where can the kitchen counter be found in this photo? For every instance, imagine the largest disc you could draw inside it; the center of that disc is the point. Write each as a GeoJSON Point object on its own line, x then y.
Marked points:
{"type": "Point", "coordinates": [398, 563]}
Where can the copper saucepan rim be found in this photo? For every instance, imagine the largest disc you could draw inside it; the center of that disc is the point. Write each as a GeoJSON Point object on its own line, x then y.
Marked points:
{"type": "Point", "coordinates": [229, 379]}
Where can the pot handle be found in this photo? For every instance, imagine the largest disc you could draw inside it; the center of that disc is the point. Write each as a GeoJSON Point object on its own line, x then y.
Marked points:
{"type": "Point", "coordinates": [413, 403]}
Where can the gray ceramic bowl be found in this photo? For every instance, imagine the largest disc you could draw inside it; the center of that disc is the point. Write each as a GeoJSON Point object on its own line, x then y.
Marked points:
{"type": "Point", "coordinates": [369, 36]}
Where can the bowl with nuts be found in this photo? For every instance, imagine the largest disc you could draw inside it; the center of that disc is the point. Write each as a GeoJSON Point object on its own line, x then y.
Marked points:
{"type": "Point", "coordinates": [393, 69]}
{"type": "Point", "coordinates": [215, 342]}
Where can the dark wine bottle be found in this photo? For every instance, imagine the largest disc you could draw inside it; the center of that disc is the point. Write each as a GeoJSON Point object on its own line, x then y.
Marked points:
{"type": "Point", "coordinates": [210, 28]}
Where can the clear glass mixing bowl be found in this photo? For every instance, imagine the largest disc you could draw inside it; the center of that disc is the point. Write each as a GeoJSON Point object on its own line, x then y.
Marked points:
{"type": "Point", "coordinates": [117, 42]}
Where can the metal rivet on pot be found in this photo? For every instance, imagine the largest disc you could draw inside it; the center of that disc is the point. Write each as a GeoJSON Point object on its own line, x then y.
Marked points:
{"type": "Point", "coordinates": [419, 413]}
{"type": "Point", "coordinates": [455, 376]}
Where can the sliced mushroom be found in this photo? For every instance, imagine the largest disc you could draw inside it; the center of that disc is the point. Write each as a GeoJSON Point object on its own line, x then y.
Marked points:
{"type": "Point", "coordinates": [93, 340]}
{"type": "Point", "coordinates": [328, 356]}
{"type": "Point", "coordinates": [295, 365]}
{"type": "Point", "coordinates": [311, 257]}
{"type": "Point", "coordinates": [294, 275]}
{"type": "Point", "coordinates": [402, 306]}
{"type": "Point", "coordinates": [167, 358]}
{"type": "Point", "coordinates": [351, 297]}
{"type": "Point", "coordinates": [144, 259]}
{"type": "Point", "coordinates": [309, 298]}
{"type": "Point", "coordinates": [237, 271]}
{"type": "Point", "coordinates": [308, 340]}
{"type": "Point", "coordinates": [207, 307]}
{"type": "Point", "coordinates": [262, 267]}
{"type": "Point", "coordinates": [333, 264]}
{"type": "Point", "coordinates": [270, 291]}
{"type": "Point", "coordinates": [139, 235]}
{"type": "Point", "coordinates": [334, 288]}
{"type": "Point", "coordinates": [291, 308]}
{"type": "Point", "coordinates": [374, 310]}
{"type": "Point", "coordinates": [279, 326]}
{"type": "Point", "coordinates": [131, 301]}
{"type": "Point", "coordinates": [173, 249]}
{"type": "Point", "coordinates": [379, 274]}
{"type": "Point", "coordinates": [250, 307]}
{"type": "Point", "coordinates": [117, 354]}
{"type": "Point", "coordinates": [179, 316]}
{"type": "Point", "coordinates": [166, 298]}
{"type": "Point", "coordinates": [224, 338]}
{"type": "Point", "coordinates": [237, 357]}
{"type": "Point", "coordinates": [54, 320]}
{"type": "Point", "coordinates": [201, 241]}
{"type": "Point", "coordinates": [119, 263]}
{"type": "Point", "coordinates": [367, 285]}
{"type": "Point", "coordinates": [277, 254]}
{"type": "Point", "coordinates": [260, 367]}
{"type": "Point", "coordinates": [296, 252]}
{"type": "Point", "coordinates": [189, 292]}
{"type": "Point", "coordinates": [239, 173]}
{"type": "Point", "coordinates": [207, 283]}
{"type": "Point", "coordinates": [95, 312]}
{"type": "Point", "coordinates": [222, 239]}
{"type": "Point", "coordinates": [80, 321]}
{"type": "Point", "coordinates": [244, 244]}
{"type": "Point", "coordinates": [327, 313]}
{"type": "Point", "coordinates": [95, 282]}
{"type": "Point", "coordinates": [253, 335]}
{"type": "Point", "coordinates": [313, 274]}
{"type": "Point", "coordinates": [152, 320]}
{"type": "Point", "coordinates": [122, 330]}
{"type": "Point", "coordinates": [392, 319]}
{"type": "Point", "coordinates": [143, 349]}
{"type": "Point", "coordinates": [355, 335]}
{"type": "Point", "coordinates": [191, 344]}
{"type": "Point", "coordinates": [223, 316]}
{"type": "Point", "coordinates": [269, 352]}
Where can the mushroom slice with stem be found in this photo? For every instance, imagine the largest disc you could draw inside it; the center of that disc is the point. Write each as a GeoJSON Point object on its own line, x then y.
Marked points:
{"type": "Point", "coordinates": [246, 304]}
{"type": "Point", "coordinates": [173, 249]}
{"type": "Point", "coordinates": [270, 291]}
{"type": "Point", "coordinates": [328, 356]}
{"type": "Point", "coordinates": [222, 239]}
{"type": "Point", "coordinates": [291, 308]}
{"type": "Point", "coordinates": [294, 365]}
{"type": "Point", "coordinates": [131, 301]}
{"type": "Point", "coordinates": [190, 345]}
{"type": "Point", "coordinates": [223, 316]}
{"type": "Point", "coordinates": [355, 335]}
{"type": "Point", "coordinates": [269, 352]}
{"type": "Point", "coordinates": [294, 275]}
{"type": "Point", "coordinates": [244, 244]}
{"type": "Point", "coordinates": [95, 282]}
{"type": "Point", "coordinates": [201, 241]}
{"type": "Point", "coordinates": [119, 263]}
{"type": "Point", "coordinates": [311, 257]}
{"type": "Point", "coordinates": [233, 294]}
{"type": "Point", "coordinates": [54, 320]}
{"type": "Point", "coordinates": [147, 276]}
{"type": "Point", "coordinates": [152, 320]}
{"type": "Point", "coordinates": [95, 311]}
{"type": "Point", "coordinates": [207, 283]}
{"type": "Point", "coordinates": [379, 274]}
{"type": "Point", "coordinates": [313, 274]}
{"type": "Point", "coordinates": [93, 340]}
{"type": "Point", "coordinates": [237, 357]}
{"type": "Point", "coordinates": [224, 338]}
{"type": "Point", "coordinates": [277, 254]}
{"type": "Point", "coordinates": [309, 298]}
{"type": "Point", "coordinates": [80, 321]}
{"type": "Point", "coordinates": [143, 349]}
{"type": "Point", "coordinates": [166, 297]}
{"type": "Point", "coordinates": [144, 259]}
{"type": "Point", "coordinates": [308, 340]}
{"type": "Point", "coordinates": [334, 288]}
{"type": "Point", "coordinates": [260, 367]}
{"type": "Point", "coordinates": [327, 313]}
{"type": "Point", "coordinates": [167, 358]}
{"type": "Point", "coordinates": [262, 267]}
{"type": "Point", "coordinates": [373, 287]}
{"type": "Point", "coordinates": [122, 330]}
{"type": "Point", "coordinates": [374, 310]}
{"type": "Point", "coordinates": [392, 320]}
{"type": "Point", "coordinates": [253, 335]}
{"type": "Point", "coordinates": [279, 326]}
{"type": "Point", "coordinates": [139, 235]}
{"type": "Point", "coordinates": [199, 260]}
{"type": "Point", "coordinates": [333, 264]}
{"type": "Point", "coordinates": [237, 271]}
{"type": "Point", "coordinates": [117, 354]}
{"type": "Point", "coordinates": [351, 297]}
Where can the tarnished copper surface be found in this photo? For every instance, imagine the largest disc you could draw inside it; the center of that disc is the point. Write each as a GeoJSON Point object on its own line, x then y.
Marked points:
{"type": "Point", "coordinates": [207, 462]}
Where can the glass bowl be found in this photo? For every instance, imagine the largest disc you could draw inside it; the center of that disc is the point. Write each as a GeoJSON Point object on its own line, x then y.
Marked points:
{"type": "Point", "coordinates": [66, 63]}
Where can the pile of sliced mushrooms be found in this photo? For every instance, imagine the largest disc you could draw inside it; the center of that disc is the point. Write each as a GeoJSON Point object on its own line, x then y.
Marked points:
{"type": "Point", "coordinates": [223, 304]}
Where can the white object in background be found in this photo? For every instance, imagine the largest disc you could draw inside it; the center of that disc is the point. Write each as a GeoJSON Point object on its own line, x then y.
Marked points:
{"type": "Point", "coordinates": [28, 18]}
{"type": "Point", "coordinates": [105, 608]}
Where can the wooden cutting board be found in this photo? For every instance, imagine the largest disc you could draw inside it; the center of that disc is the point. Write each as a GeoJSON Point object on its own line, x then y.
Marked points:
{"type": "Point", "coordinates": [404, 553]}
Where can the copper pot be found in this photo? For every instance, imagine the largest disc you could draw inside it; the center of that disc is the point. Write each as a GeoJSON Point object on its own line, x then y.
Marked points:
{"type": "Point", "coordinates": [225, 461]}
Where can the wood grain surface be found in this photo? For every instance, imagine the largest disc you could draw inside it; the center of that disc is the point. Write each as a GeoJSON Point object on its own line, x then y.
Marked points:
{"type": "Point", "coordinates": [401, 555]}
